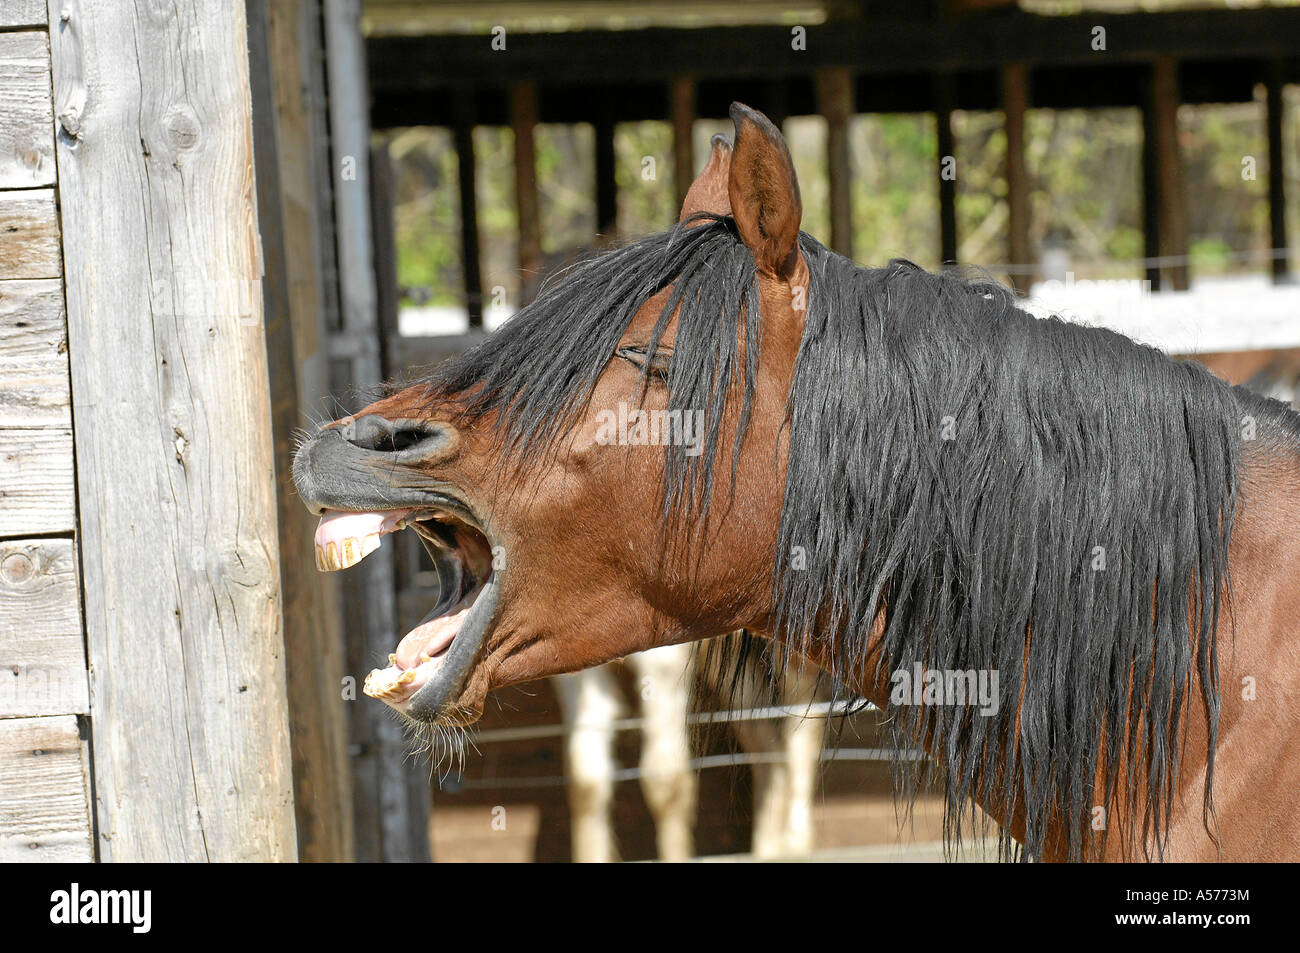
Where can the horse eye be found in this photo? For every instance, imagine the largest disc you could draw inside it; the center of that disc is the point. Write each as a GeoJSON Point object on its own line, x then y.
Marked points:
{"type": "Point", "coordinates": [657, 365]}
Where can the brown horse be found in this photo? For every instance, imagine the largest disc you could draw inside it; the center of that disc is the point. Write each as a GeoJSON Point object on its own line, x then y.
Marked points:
{"type": "Point", "coordinates": [1061, 562]}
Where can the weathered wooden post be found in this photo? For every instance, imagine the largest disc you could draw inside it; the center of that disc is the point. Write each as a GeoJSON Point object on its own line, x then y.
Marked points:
{"type": "Point", "coordinates": [835, 103]}
{"type": "Point", "coordinates": [943, 106]}
{"type": "Point", "coordinates": [523, 121]}
{"type": "Point", "coordinates": [1015, 103]}
{"type": "Point", "coordinates": [1275, 119]}
{"type": "Point", "coordinates": [681, 111]}
{"type": "Point", "coordinates": [391, 797]}
{"type": "Point", "coordinates": [284, 59]}
{"type": "Point", "coordinates": [172, 426]}
{"type": "Point", "coordinates": [1171, 187]}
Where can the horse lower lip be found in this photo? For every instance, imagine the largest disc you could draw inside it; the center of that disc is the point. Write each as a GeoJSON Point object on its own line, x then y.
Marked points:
{"type": "Point", "coordinates": [433, 660]}
{"type": "Point", "coordinates": [427, 650]}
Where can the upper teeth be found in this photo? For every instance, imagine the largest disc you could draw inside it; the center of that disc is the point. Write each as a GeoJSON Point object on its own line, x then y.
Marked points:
{"type": "Point", "coordinates": [344, 553]}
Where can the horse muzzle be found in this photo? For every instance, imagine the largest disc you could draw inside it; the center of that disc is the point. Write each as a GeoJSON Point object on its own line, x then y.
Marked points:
{"type": "Point", "coordinates": [368, 477]}
{"type": "Point", "coordinates": [372, 463]}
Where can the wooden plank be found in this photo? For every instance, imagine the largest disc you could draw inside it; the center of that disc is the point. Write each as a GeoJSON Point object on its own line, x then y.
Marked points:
{"type": "Point", "coordinates": [174, 449]}
{"type": "Point", "coordinates": [313, 642]}
{"type": "Point", "coordinates": [1275, 105]}
{"type": "Point", "coordinates": [391, 796]}
{"type": "Point", "coordinates": [19, 13]}
{"type": "Point", "coordinates": [42, 652]}
{"type": "Point", "coordinates": [1170, 179]}
{"type": "Point", "coordinates": [36, 494]}
{"type": "Point", "coordinates": [34, 389]}
{"type": "Point", "coordinates": [44, 804]}
{"type": "Point", "coordinates": [26, 111]}
{"type": "Point", "coordinates": [835, 103]}
{"type": "Point", "coordinates": [1015, 102]}
{"type": "Point", "coordinates": [29, 235]}
{"type": "Point", "coordinates": [523, 122]}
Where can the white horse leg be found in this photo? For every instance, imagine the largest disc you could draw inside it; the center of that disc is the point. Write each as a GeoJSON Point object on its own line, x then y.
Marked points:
{"type": "Point", "coordinates": [664, 684]}
{"type": "Point", "coordinates": [771, 778]}
{"type": "Point", "coordinates": [589, 705]}
{"type": "Point", "coordinates": [803, 749]}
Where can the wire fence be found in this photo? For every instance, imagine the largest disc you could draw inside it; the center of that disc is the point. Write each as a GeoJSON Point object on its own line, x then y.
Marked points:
{"type": "Point", "coordinates": [726, 716]}
{"type": "Point", "coordinates": [815, 710]}
{"type": "Point", "coordinates": [737, 759]}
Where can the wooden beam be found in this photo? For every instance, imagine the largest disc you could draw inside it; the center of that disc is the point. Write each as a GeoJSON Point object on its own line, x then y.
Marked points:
{"type": "Point", "coordinates": [835, 102]}
{"type": "Point", "coordinates": [1276, 120]}
{"type": "Point", "coordinates": [26, 115]}
{"type": "Point", "coordinates": [45, 791]}
{"type": "Point", "coordinates": [681, 111]}
{"type": "Point", "coordinates": [313, 642]}
{"type": "Point", "coordinates": [523, 122]}
{"type": "Point", "coordinates": [606, 180]}
{"type": "Point", "coordinates": [173, 434]}
{"type": "Point", "coordinates": [1096, 84]}
{"type": "Point", "coordinates": [1015, 102]}
{"type": "Point", "coordinates": [409, 65]}
{"type": "Point", "coordinates": [463, 133]}
{"type": "Point", "coordinates": [1172, 190]}
{"type": "Point", "coordinates": [943, 90]}
{"type": "Point", "coordinates": [391, 796]}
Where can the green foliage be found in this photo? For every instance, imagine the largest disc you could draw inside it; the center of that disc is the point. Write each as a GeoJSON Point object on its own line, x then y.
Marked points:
{"type": "Point", "coordinates": [1084, 169]}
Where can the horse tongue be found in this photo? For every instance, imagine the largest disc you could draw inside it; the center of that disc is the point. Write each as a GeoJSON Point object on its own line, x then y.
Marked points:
{"type": "Point", "coordinates": [344, 539]}
{"type": "Point", "coordinates": [428, 639]}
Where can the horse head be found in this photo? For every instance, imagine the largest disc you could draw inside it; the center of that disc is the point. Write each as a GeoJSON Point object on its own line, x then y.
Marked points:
{"type": "Point", "coordinates": [562, 474]}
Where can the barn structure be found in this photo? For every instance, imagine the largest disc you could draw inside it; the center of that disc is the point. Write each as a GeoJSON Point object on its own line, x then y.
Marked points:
{"type": "Point", "coordinates": [195, 247]}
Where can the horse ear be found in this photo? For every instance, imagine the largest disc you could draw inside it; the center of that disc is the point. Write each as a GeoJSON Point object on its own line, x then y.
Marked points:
{"type": "Point", "coordinates": [764, 193]}
{"type": "Point", "coordinates": [708, 193]}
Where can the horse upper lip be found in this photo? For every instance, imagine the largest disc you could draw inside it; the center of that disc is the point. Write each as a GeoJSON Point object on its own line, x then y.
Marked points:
{"type": "Point", "coordinates": [331, 473]}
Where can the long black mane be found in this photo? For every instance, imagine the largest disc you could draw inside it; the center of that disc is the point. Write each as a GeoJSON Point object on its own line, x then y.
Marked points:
{"type": "Point", "coordinates": [991, 490]}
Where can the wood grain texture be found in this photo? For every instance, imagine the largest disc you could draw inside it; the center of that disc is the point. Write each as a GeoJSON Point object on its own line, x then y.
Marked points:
{"type": "Point", "coordinates": [36, 494]}
{"type": "Point", "coordinates": [29, 235]}
{"type": "Point", "coordinates": [174, 462]}
{"type": "Point", "coordinates": [44, 807]}
{"type": "Point", "coordinates": [34, 390]}
{"type": "Point", "coordinates": [281, 43]}
{"type": "Point", "coordinates": [14, 13]}
{"type": "Point", "coordinates": [42, 652]}
{"type": "Point", "coordinates": [26, 111]}
{"type": "Point", "coordinates": [392, 794]}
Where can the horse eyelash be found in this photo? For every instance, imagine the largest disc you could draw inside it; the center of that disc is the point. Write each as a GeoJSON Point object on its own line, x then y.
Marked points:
{"type": "Point", "coordinates": [656, 367]}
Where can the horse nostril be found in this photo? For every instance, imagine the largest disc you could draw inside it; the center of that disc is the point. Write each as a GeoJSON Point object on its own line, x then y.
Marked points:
{"type": "Point", "coordinates": [380, 435]}
{"type": "Point", "coordinates": [401, 440]}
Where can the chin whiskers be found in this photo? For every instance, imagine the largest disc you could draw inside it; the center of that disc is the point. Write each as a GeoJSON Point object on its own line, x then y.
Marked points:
{"type": "Point", "coordinates": [443, 745]}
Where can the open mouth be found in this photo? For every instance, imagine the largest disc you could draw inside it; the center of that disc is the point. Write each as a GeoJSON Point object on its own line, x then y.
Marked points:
{"type": "Point", "coordinates": [429, 666]}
